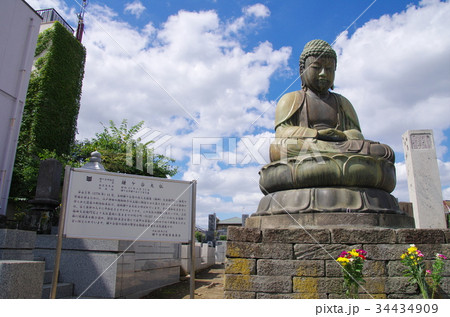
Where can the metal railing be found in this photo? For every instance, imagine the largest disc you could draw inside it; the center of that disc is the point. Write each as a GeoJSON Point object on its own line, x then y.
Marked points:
{"type": "Point", "coordinates": [50, 15]}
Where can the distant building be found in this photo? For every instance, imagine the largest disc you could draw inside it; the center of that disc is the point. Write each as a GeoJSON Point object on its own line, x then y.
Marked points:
{"type": "Point", "coordinates": [407, 207]}
{"type": "Point", "coordinates": [447, 212]}
{"type": "Point", "coordinates": [49, 17]}
{"type": "Point", "coordinates": [222, 225]}
{"type": "Point", "coordinates": [217, 227]}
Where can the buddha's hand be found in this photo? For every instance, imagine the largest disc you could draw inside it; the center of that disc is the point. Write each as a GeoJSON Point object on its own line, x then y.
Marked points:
{"type": "Point", "coordinates": [331, 135]}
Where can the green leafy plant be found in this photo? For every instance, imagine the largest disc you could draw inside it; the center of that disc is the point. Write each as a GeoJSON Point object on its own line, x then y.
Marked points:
{"type": "Point", "coordinates": [352, 263]}
{"type": "Point", "coordinates": [199, 236]}
{"type": "Point", "coordinates": [54, 92]}
{"type": "Point", "coordinates": [436, 273]}
{"type": "Point", "coordinates": [50, 114]}
{"type": "Point", "coordinates": [413, 260]}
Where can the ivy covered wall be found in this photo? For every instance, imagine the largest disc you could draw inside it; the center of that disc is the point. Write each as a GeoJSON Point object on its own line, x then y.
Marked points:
{"type": "Point", "coordinates": [51, 108]}
{"type": "Point", "coordinates": [53, 98]}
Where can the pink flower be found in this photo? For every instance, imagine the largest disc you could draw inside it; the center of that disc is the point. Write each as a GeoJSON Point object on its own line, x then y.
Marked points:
{"type": "Point", "coordinates": [441, 256]}
{"type": "Point", "coordinates": [360, 251]}
{"type": "Point", "coordinates": [428, 271]}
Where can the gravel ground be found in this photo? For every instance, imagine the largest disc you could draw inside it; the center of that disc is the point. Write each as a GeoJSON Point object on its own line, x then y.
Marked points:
{"type": "Point", "coordinates": [208, 285]}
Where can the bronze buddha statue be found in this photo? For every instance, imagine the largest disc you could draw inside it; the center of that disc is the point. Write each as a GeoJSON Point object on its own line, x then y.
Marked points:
{"type": "Point", "coordinates": [320, 160]}
{"type": "Point", "coordinates": [317, 116]}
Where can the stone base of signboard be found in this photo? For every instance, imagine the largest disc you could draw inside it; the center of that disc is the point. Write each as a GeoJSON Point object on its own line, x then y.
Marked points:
{"type": "Point", "coordinates": [298, 263]}
{"type": "Point", "coordinates": [112, 268]}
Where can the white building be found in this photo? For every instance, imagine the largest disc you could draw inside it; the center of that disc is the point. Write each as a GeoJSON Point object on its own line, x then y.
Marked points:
{"type": "Point", "coordinates": [19, 29]}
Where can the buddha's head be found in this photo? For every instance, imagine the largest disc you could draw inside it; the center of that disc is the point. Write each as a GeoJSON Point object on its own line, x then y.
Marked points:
{"type": "Point", "coordinates": [317, 66]}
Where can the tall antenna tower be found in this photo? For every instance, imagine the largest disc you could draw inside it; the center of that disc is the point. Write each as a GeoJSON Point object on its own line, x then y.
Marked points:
{"type": "Point", "coordinates": [80, 28]}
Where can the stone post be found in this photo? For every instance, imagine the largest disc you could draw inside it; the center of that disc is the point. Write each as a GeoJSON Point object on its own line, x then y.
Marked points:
{"type": "Point", "coordinates": [210, 236]}
{"type": "Point", "coordinates": [48, 190]}
{"type": "Point", "coordinates": [424, 184]}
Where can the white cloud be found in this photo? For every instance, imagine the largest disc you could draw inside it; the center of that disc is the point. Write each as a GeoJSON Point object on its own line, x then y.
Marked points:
{"type": "Point", "coordinates": [444, 171]}
{"type": "Point", "coordinates": [214, 81]}
{"type": "Point", "coordinates": [257, 10]}
{"type": "Point", "coordinates": [188, 68]}
{"type": "Point", "coordinates": [401, 191]}
{"type": "Point", "coordinates": [47, 4]}
{"type": "Point", "coordinates": [227, 192]}
{"type": "Point", "coordinates": [446, 193]}
{"type": "Point", "coordinates": [395, 71]}
{"type": "Point", "coordinates": [68, 14]}
{"type": "Point", "coordinates": [136, 8]}
{"type": "Point", "coordinates": [252, 16]}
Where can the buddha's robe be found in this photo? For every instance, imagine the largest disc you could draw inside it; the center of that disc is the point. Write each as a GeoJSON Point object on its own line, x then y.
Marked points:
{"type": "Point", "coordinates": [296, 135]}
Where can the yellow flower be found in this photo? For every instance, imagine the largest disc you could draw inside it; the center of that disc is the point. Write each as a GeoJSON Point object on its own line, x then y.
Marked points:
{"type": "Point", "coordinates": [354, 253]}
{"type": "Point", "coordinates": [343, 259]}
{"type": "Point", "coordinates": [403, 256]}
{"type": "Point", "coordinates": [412, 249]}
{"type": "Point", "coordinates": [411, 257]}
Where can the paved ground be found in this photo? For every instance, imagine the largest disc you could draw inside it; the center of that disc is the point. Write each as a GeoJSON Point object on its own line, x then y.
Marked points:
{"type": "Point", "coordinates": [208, 285]}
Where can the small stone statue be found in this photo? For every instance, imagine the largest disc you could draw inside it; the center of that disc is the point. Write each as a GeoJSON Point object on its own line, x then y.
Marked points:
{"type": "Point", "coordinates": [320, 161]}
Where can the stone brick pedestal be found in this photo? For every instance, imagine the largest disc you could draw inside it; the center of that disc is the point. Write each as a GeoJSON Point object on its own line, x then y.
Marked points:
{"type": "Point", "coordinates": [300, 263]}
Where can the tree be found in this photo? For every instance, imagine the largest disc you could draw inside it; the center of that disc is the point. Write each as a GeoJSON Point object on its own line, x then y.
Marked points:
{"type": "Point", "coordinates": [120, 153]}
{"type": "Point", "coordinates": [200, 237]}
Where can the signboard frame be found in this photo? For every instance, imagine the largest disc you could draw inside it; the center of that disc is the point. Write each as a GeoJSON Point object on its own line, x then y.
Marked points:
{"type": "Point", "coordinates": [105, 205]}
{"type": "Point", "coordinates": [63, 220]}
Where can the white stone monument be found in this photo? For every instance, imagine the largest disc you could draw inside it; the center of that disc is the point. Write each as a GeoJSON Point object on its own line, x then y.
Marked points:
{"type": "Point", "coordinates": [424, 184]}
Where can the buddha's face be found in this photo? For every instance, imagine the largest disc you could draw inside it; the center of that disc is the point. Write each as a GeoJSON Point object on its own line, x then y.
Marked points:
{"type": "Point", "coordinates": [319, 74]}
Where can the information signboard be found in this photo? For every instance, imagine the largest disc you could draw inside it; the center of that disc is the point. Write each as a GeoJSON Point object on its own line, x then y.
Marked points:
{"type": "Point", "coordinates": [106, 205]}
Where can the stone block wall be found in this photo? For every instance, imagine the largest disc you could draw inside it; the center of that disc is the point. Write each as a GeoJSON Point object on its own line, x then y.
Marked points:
{"type": "Point", "coordinates": [300, 263]}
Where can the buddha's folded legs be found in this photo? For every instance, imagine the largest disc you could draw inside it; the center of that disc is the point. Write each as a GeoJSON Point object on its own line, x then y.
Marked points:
{"type": "Point", "coordinates": [283, 148]}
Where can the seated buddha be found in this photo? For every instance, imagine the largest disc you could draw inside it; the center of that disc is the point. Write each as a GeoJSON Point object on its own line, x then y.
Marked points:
{"type": "Point", "coordinates": [318, 140]}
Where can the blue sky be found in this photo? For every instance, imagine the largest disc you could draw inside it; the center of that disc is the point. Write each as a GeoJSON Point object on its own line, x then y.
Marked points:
{"type": "Point", "coordinates": [205, 77]}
